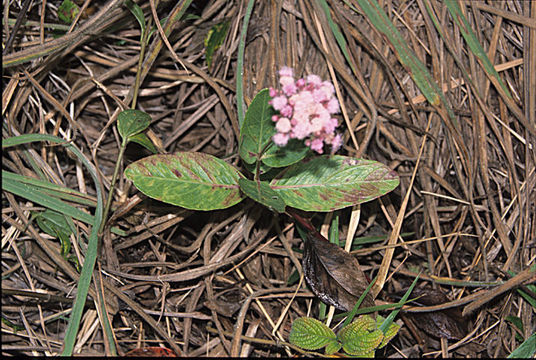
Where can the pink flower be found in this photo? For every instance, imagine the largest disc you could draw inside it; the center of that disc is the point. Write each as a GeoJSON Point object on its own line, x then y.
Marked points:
{"type": "Point", "coordinates": [279, 102]}
{"type": "Point", "coordinates": [289, 89]}
{"type": "Point", "coordinates": [301, 130]}
{"type": "Point", "coordinates": [336, 143]}
{"type": "Point", "coordinates": [305, 109]}
{"type": "Point", "coordinates": [280, 139]}
{"type": "Point", "coordinates": [286, 80]}
{"type": "Point", "coordinates": [317, 145]}
{"type": "Point", "coordinates": [333, 106]}
{"type": "Point", "coordinates": [320, 95]}
{"type": "Point", "coordinates": [286, 111]}
{"type": "Point", "coordinates": [286, 71]}
{"type": "Point", "coordinates": [283, 125]}
{"type": "Point", "coordinates": [314, 80]}
{"type": "Point", "coordinates": [330, 125]}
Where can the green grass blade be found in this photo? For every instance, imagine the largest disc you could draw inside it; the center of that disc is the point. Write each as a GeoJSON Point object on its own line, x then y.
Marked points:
{"type": "Point", "coordinates": [416, 69]}
{"type": "Point", "coordinates": [51, 189]}
{"type": "Point", "coordinates": [339, 37]}
{"type": "Point", "coordinates": [240, 65]}
{"type": "Point", "coordinates": [37, 196]}
{"type": "Point", "coordinates": [389, 320]}
{"type": "Point", "coordinates": [354, 311]}
{"type": "Point", "coordinates": [470, 37]}
{"type": "Point", "coordinates": [91, 255]}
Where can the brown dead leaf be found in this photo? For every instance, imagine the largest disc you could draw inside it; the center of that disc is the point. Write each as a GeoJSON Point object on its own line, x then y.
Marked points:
{"type": "Point", "coordinates": [333, 274]}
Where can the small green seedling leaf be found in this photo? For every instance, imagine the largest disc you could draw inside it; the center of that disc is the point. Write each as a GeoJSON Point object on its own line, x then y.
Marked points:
{"type": "Point", "coordinates": [518, 324]}
{"type": "Point", "coordinates": [261, 192]}
{"type": "Point", "coordinates": [68, 11]}
{"type": "Point", "coordinates": [144, 141]}
{"type": "Point", "coordinates": [214, 39]}
{"type": "Point", "coordinates": [257, 129]}
{"type": "Point", "coordinates": [54, 224]}
{"type": "Point", "coordinates": [193, 180]}
{"type": "Point", "coordinates": [136, 10]}
{"type": "Point", "coordinates": [361, 337]}
{"type": "Point", "coordinates": [328, 183]}
{"type": "Point", "coordinates": [131, 122]}
{"type": "Point", "coordinates": [310, 334]}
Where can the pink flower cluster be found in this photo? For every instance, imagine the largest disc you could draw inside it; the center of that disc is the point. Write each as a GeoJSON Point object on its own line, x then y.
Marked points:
{"type": "Point", "coordinates": [305, 109]}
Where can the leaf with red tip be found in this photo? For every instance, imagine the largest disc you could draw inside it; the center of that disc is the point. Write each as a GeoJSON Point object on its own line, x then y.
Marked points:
{"type": "Point", "coordinates": [328, 183]}
{"type": "Point", "coordinates": [195, 181]}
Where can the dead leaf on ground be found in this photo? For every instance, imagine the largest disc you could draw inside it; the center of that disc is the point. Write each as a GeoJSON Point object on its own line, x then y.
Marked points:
{"type": "Point", "coordinates": [333, 274]}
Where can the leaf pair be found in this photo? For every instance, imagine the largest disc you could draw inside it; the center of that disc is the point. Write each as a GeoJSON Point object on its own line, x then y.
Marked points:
{"type": "Point", "coordinates": [200, 181]}
{"type": "Point", "coordinates": [130, 124]}
{"type": "Point", "coordinates": [360, 338]}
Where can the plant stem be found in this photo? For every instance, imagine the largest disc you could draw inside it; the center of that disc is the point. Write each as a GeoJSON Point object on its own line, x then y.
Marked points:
{"type": "Point", "coordinates": [143, 44]}
{"type": "Point", "coordinates": [258, 162]}
{"type": "Point", "coordinates": [112, 184]}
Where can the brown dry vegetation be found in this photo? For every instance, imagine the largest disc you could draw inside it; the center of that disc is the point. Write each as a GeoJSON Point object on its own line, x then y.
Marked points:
{"type": "Point", "coordinates": [216, 283]}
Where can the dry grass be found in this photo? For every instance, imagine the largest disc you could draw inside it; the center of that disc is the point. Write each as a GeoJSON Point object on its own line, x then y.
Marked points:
{"type": "Point", "coordinates": [216, 282]}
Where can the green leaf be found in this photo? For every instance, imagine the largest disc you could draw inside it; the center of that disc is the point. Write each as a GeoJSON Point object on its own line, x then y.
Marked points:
{"type": "Point", "coordinates": [193, 180]}
{"type": "Point", "coordinates": [258, 128]}
{"type": "Point", "coordinates": [215, 37]}
{"type": "Point", "coordinates": [337, 34]}
{"type": "Point", "coordinates": [332, 347]}
{"type": "Point", "coordinates": [54, 224]}
{"type": "Point", "coordinates": [527, 297]}
{"type": "Point", "coordinates": [310, 334]}
{"type": "Point", "coordinates": [261, 192]}
{"type": "Point", "coordinates": [68, 11]}
{"type": "Point", "coordinates": [518, 323]}
{"type": "Point", "coordinates": [526, 350]}
{"type": "Point", "coordinates": [131, 122]}
{"type": "Point", "coordinates": [361, 337]}
{"type": "Point", "coordinates": [144, 141]}
{"type": "Point", "coordinates": [328, 183]}
{"type": "Point", "coordinates": [276, 156]}
{"type": "Point", "coordinates": [390, 333]}
{"type": "Point", "coordinates": [136, 10]}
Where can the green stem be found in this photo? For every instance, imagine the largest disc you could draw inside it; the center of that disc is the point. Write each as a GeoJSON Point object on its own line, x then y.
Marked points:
{"type": "Point", "coordinates": [144, 38]}
{"type": "Point", "coordinates": [52, 26]}
{"type": "Point", "coordinates": [240, 65]}
{"type": "Point", "coordinates": [112, 184]}
{"type": "Point", "coordinates": [258, 162]}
